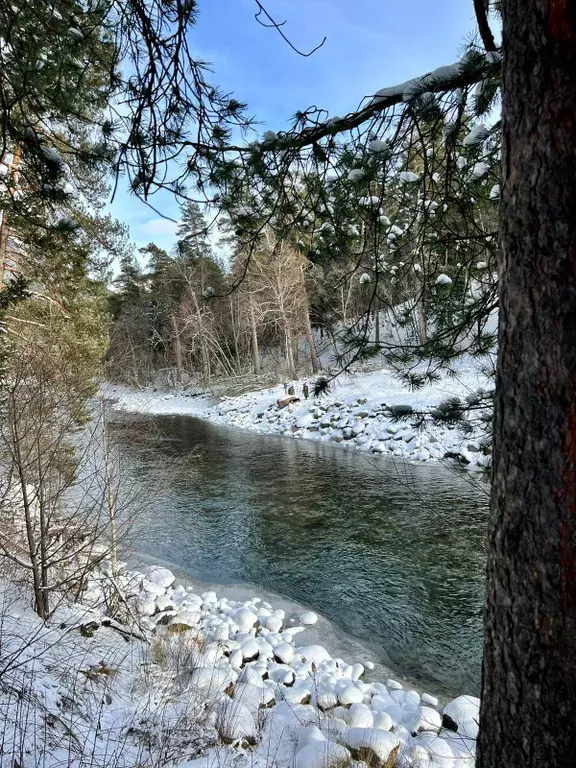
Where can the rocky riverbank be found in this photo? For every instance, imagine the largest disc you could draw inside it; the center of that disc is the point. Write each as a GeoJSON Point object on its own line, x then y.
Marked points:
{"type": "Point", "coordinates": [369, 412]}
{"type": "Point", "coordinates": [197, 679]}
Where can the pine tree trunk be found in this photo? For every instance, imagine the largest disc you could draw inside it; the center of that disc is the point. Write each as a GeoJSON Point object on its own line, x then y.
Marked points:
{"type": "Point", "coordinates": [314, 362]}
{"type": "Point", "coordinates": [255, 349]}
{"type": "Point", "coordinates": [528, 714]}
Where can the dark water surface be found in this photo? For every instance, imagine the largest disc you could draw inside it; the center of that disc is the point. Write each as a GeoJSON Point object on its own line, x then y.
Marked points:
{"type": "Point", "coordinates": [390, 552]}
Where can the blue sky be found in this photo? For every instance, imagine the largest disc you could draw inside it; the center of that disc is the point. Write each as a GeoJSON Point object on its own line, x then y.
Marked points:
{"type": "Point", "coordinates": [370, 44]}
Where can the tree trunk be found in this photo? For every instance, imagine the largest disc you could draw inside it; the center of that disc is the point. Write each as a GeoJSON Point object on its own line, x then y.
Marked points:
{"type": "Point", "coordinates": [28, 520]}
{"type": "Point", "coordinates": [314, 362]}
{"type": "Point", "coordinates": [177, 349]}
{"type": "Point", "coordinates": [289, 350]}
{"type": "Point", "coordinates": [3, 246]}
{"type": "Point", "coordinates": [255, 348]}
{"type": "Point", "coordinates": [421, 311]}
{"type": "Point", "coordinates": [528, 714]}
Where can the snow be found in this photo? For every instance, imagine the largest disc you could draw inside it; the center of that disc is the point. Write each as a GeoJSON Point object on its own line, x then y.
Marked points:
{"type": "Point", "coordinates": [371, 201]}
{"type": "Point", "coordinates": [480, 169]}
{"type": "Point", "coordinates": [408, 176]}
{"type": "Point", "coordinates": [378, 147]}
{"type": "Point", "coordinates": [356, 174]}
{"type": "Point", "coordinates": [477, 135]}
{"type": "Point", "coordinates": [162, 577]}
{"type": "Point", "coordinates": [198, 702]}
{"type": "Point", "coordinates": [321, 754]}
{"type": "Point", "coordinates": [75, 34]}
{"type": "Point", "coordinates": [443, 279]}
{"type": "Point", "coordinates": [436, 78]}
{"type": "Point", "coordinates": [380, 743]}
{"type": "Point", "coordinates": [365, 404]}
{"type": "Point", "coordinates": [495, 192]}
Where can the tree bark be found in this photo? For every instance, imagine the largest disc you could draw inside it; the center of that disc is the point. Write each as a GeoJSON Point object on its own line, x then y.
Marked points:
{"type": "Point", "coordinates": [28, 520]}
{"type": "Point", "coordinates": [289, 350]}
{"type": "Point", "coordinates": [528, 713]}
{"type": "Point", "coordinates": [254, 332]}
{"type": "Point", "coordinates": [314, 362]}
{"type": "Point", "coordinates": [421, 312]}
{"type": "Point", "coordinates": [177, 349]}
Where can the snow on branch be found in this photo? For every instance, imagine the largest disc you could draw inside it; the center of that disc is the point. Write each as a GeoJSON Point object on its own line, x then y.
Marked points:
{"type": "Point", "coordinates": [466, 72]}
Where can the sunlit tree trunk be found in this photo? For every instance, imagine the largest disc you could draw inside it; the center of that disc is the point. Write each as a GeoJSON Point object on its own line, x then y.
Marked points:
{"type": "Point", "coordinates": [177, 349]}
{"type": "Point", "coordinates": [254, 332]}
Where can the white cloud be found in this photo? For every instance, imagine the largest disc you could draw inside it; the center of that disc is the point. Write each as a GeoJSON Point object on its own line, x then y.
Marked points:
{"type": "Point", "coordinates": [158, 226]}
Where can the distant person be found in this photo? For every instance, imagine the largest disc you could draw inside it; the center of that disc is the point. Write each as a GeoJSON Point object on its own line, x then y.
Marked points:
{"type": "Point", "coordinates": [291, 390]}
{"type": "Point", "coordinates": [305, 390]}
{"type": "Point", "coordinates": [285, 387]}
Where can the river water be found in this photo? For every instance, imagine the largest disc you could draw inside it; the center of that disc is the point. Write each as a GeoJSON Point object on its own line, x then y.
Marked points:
{"type": "Point", "coordinates": [392, 553]}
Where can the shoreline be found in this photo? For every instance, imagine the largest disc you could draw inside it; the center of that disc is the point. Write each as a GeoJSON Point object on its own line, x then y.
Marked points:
{"type": "Point", "coordinates": [267, 657]}
{"type": "Point", "coordinates": [340, 642]}
{"type": "Point", "coordinates": [368, 412]}
{"type": "Point", "coordinates": [226, 679]}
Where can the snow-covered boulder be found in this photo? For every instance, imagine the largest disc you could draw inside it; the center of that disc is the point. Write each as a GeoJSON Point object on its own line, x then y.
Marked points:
{"type": "Point", "coordinates": [250, 649]}
{"type": "Point", "coordinates": [158, 575]}
{"type": "Point", "coordinates": [360, 716]}
{"type": "Point", "coordinates": [308, 618]}
{"type": "Point", "coordinates": [464, 712]}
{"type": "Point", "coordinates": [253, 696]}
{"type": "Point", "coordinates": [350, 695]}
{"type": "Point", "coordinates": [429, 719]}
{"type": "Point", "coordinates": [314, 653]}
{"type": "Point", "coordinates": [209, 680]}
{"type": "Point", "coordinates": [327, 700]}
{"type": "Point", "coordinates": [184, 620]}
{"type": "Point", "coordinates": [273, 623]}
{"type": "Point", "coordinates": [284, 652]}
{"type": "Point", "coordinates": [245, 619]}
{"type": "Point", "coordinates": [235, 721]}
{"type": "Point", "coordinates": [370, 743]}
{"type": "Point", "coordinates": [321, 754]}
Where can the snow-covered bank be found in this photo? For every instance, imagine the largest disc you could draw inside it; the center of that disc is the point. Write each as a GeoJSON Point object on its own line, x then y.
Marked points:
{"type": "Point", "coordinates": [215, 681]}
{"type": "Point", "coordinates": [361, 411]}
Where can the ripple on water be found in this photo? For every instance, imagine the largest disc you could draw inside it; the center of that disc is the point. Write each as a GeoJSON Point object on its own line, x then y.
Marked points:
{"type": "Point", "coordinates": [390, 552]}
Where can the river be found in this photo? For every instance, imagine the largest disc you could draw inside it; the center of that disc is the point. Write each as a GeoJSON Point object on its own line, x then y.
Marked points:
{"type": "Point", "coordinates": [392, 553]}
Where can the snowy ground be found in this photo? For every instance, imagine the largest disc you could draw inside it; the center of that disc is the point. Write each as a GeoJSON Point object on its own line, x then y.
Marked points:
{"type": "Point", "coordinates": [210, 682]}
{"type": "Point", "coordinates": [359, 412]}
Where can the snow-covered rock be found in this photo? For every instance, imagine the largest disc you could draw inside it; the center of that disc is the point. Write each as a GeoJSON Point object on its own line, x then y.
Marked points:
{"type": "Point", "coordinates": [162, 577]}
{"type": "Point", "coordinates": [314, 653]}
{"type": "Point", "coordinates": [366, 741]}
{"type": "Point", "coordinates": [321, 754]}
{"type": "Point", "coordinates": [308, 618]}
{"type": "Point", "coordinates": [235, 721]}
